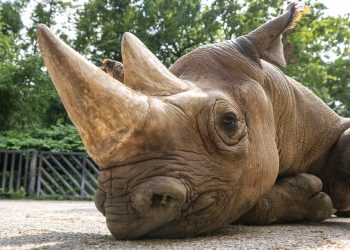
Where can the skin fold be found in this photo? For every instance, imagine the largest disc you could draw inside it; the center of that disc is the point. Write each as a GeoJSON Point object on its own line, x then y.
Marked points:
{"type": "Point", "coordinates": [222, 136]}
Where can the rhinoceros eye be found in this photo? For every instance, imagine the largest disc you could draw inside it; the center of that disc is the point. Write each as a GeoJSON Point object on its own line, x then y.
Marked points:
{"type": "Point", "coordinates": [227, 127]}
{"type": "Point", "coordinates": [228, 122]}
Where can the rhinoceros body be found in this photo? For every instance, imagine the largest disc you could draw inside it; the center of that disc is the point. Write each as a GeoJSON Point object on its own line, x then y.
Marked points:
{"type": "Point", "coordinates": [222, 136]}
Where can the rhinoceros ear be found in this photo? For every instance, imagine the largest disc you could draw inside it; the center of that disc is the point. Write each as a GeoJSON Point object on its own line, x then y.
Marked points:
{"type": "Point", "coordinates": [113, 68]}
{"type": "Point", "coordinates": [266, 41]}
{"type": "Point", "coordinates": [144, 72]}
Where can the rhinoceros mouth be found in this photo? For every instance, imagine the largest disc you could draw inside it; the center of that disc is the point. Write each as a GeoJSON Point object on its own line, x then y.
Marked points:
{"type": "Point", "coordinates": [136, 228]}
{"type": "Point", "coordinates": [173, 197]}
{"type": "Point", "coordinates": [193, 223]}
{"type": "Point", "coordinates": [163, 225]}
{"type": "Point", "coordinates": [133, 211]}
{"type": "Point", "coordinates": [166, 213]}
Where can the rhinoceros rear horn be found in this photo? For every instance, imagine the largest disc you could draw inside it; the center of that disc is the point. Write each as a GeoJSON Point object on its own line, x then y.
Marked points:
{"type": "Point", "coordinates": [144, 72]}
{"type": "Point", "coordinates": [105, 111]}
{"type": "Point", "coordinates": [266, 41]}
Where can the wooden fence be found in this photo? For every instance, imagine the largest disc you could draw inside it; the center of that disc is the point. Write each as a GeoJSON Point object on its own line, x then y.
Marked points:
{"type": "Point", "coordinates": [67, 174]}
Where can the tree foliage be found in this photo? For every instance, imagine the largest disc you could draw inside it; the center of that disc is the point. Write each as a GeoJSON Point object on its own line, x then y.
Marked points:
{"type": "Point", "coordinates": [26, 91]}
{"type": "Point", "coordinates": [317, 50]}
{"type": "Point", "coordinates": [55, 138]}
{"type": "Point", "coordinates": [169, 28]}
{"type": "Point", "coordinates": [319, 56]}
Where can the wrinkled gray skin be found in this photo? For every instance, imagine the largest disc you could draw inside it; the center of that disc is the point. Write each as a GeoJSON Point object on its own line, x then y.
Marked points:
{"type": "Point", "coordinates": [245, 143]}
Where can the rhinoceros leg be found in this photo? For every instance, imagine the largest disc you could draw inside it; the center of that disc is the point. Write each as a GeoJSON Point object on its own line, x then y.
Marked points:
{"type": "Point", "coordinates": [291, 199]}
{"type": "Point", "coordinates": [336, 175]}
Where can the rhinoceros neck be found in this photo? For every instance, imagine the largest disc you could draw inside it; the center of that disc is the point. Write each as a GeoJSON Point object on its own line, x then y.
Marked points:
{"type": "Point", "coordinates": [306, 128]}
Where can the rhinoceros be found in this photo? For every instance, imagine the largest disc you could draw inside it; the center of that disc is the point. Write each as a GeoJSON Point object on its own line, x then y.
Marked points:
{"type": "Point", "coordinates": [222, 136]}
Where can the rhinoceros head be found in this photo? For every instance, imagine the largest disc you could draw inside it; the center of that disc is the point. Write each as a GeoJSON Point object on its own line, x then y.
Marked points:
{"type": "Point", "coordinates": [181, 151]}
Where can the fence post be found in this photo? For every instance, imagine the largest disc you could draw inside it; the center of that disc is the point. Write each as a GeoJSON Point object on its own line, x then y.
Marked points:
{"type": "Point", "coordinates": [83, 177]}
{"type": "Point", "coordinates": [12, 171]}
{"type": "Point", "coordinates": [39, 174]}
{"type": "Point", "coordinates": [4, 171]}
{"type": "Point", "coordinates": [26, 169]}
{"type": "Point", "coordinates": [32, 174]}
{"type": "Point", "coordinates": [19, 171]}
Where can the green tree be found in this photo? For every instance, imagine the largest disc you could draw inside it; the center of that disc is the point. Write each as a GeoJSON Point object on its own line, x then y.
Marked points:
{"type": "Point", "coordinates": [317, 50]}
{"type": "Point", "coordinates": [318, 56]}
{"type": "Point", "coordinates": [173, 28]}
{"type": "Point", "coordinates": [10, 25]}
{"type": "Point", "coordinates": [169, 28]}
{"type": "Point", "coordinates": [28, 98]}
{"type": "Point", "coordinates": [237, 18]}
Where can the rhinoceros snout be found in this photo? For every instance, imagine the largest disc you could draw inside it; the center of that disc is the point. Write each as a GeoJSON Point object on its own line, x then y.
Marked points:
{"type": "Point", "coordinates": [159, 195]}
{"type": "Point", "coordinates": [154, 203]}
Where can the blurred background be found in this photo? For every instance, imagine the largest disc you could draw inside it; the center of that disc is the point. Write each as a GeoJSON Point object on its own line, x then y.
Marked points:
{"type": "Point", "coordinates": [32, 116]}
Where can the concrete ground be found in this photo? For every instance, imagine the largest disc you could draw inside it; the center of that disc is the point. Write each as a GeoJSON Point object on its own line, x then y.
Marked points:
{"type": "Point", "coordinates": [78, 225]}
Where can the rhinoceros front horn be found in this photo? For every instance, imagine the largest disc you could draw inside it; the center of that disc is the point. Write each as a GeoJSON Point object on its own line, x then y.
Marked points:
{"type": "Point", "coordinates": [105, 112]}
{"type": "Point", "coordinates": [144, 72]}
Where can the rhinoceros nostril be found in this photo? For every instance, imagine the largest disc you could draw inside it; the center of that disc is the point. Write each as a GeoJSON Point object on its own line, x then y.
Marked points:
{"type": "Point", "coordinates": [157, 200]}
{"type": "Point", "coordinates": [160, 200]}
{"type": "Point", "coordinates": [158, 196]}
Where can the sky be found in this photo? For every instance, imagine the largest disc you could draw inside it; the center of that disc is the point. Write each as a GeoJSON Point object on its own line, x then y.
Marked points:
{"type": "Point", "coordinates": [336, 7]}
